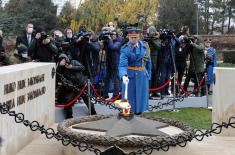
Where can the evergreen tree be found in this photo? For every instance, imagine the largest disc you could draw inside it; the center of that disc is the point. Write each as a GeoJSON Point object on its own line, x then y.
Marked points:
{"type": "Point", "coordinates": [21, 12]}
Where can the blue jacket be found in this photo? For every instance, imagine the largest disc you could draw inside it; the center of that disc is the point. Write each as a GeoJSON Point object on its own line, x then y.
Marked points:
{"type": "Point", "coordinates": [212, 53]}
{"type": "Point", "coordinates": [138, 87]}
{"type": "Point", "coordinates": [113, 53]}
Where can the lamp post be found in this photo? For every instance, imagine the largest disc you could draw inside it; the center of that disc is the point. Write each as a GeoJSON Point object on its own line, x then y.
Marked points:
{"type": "Point", "coordinates": [197, 20]}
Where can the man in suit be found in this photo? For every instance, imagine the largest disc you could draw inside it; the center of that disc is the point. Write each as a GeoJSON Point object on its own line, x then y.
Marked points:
{"type": "Point", "coordinates": [27, 37]}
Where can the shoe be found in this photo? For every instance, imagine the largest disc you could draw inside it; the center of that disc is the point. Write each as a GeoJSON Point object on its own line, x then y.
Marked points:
{"type": "Point", "coordinates": [210, 92]}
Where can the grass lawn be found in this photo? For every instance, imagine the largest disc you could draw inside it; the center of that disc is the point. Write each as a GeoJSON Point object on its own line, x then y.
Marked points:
{"type": "Point", "coordinates": [198, 118]}
{"type": "Point", "coordinates": [226, 65]}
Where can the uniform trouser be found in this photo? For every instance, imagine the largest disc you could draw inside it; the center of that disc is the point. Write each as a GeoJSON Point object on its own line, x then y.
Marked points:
{"type": "Point", "coordinates": [112, 76]}
{"type": "Point", "coordinates": [69, 110]}
{"type": "Point", "coordinates": [197, 79]}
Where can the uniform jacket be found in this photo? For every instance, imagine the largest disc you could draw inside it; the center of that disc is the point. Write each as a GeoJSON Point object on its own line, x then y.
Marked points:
{"type": "Point", "coordinates": [138, 87]}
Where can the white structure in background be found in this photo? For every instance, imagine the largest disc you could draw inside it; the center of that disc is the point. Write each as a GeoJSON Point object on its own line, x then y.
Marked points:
{"type": "Point", "coordinates": [4, 2]}
{"type": "Point", "coordinates": [60, 4]}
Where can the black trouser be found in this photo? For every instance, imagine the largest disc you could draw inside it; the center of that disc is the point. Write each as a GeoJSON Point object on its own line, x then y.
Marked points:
{"type": "Point", "coordinates": [180, 68]}
{"type": "Point", "coordinates": [68, 111]}
{"type": "Point", "coordinates": [197, 79]}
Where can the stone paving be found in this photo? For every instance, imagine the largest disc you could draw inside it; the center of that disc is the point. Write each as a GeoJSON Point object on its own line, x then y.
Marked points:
{"type": "Point", "coordinates": [215, 145]}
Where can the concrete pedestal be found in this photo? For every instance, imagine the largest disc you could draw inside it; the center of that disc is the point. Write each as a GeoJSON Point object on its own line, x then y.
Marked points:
{"type": "Point", "coordinates": [223, 98]}
{"type": "Point", "coordinates": [29, 89]}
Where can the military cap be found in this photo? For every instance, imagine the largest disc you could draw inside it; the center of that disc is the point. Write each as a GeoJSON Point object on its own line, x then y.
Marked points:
{"type": "Point", "coordinates": [133, 32]}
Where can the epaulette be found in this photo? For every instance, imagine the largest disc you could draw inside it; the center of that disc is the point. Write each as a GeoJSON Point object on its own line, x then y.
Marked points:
{"type": "Point", "coordinates": [146, 45]}
{"type": "Point", "coordinates": [124, 46]}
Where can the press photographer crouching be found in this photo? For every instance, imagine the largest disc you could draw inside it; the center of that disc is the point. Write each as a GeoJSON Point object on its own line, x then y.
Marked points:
{"type": "Point", "coordinates": [42, 48]}
{"type": "Point", "coordinates": [72, 70]}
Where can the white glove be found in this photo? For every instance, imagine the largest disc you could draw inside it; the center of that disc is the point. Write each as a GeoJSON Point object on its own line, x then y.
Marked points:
{"type": "Point", "coordinates": [213, 70]}
{"type": "Point", "coordinates": [125, 79]}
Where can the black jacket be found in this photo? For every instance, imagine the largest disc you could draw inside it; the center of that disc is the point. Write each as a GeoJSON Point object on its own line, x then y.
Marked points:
{"type": "Point", "coordinates": [41, 52]}
{"type": "Point", "coordinates": [23, 40]}
{"type": "Point", "coordinates": [65, 93]}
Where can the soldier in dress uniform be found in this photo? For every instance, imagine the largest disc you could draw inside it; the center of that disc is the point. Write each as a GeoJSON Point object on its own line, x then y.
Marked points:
{"type": "Point", "coordinates": [135, 70]}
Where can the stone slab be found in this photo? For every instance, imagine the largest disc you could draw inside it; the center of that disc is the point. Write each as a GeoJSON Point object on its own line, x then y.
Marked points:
{"type": "Point", "coordinates": [29, 89]}
{"type": "Point", "coordinates": [223, 99]}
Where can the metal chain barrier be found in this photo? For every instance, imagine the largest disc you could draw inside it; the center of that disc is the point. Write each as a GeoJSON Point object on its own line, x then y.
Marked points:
{"type": "Point", "coordinates": [181, 141]}
{"type": "Point", "coordinates": [48, 132]}
{"type": "Point", "coordinates": [170, 102]}
{"type": "Point", "coordinates": [98, 99]}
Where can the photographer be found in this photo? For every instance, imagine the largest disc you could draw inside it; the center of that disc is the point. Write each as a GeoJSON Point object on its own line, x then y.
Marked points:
{"type": "Point", "coordinates": [169, 45]}
{"type": "Point", "coordinates": [155, 45]}
{"type": "Point", "coordinates": [83, 43]}
{"type": "Point", "coordinates": [196, 66]}
{"type": "Point", "coordinates": [42, 49]}
{"type": "Point", "coordinates": [112, 62]}
{"type": "Point", "coordinates": [182, 52]}
{"type": "Point", "coordinates": [72, 71]}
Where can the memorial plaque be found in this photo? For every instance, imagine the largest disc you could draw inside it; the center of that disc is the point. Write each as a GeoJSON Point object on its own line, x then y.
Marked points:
{"type": "Point", "coordinates": [27, 88]}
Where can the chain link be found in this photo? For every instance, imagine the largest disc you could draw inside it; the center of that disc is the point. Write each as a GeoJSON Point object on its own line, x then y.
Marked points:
{"type": "Point", "coordinates": [110, 105]}
{"type": "Point", "coordinates": [83, 146]}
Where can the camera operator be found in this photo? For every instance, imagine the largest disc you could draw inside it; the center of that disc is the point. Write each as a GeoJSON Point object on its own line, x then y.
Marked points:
{"type": "Point", "coordinates": [182, 52]}
{"type": "Point", "coordinates": [42, 49]}
{"type": "Point", "coordinates": [112, 61]}
{"type": "Point", "coordinates": [154, 43]}
{"type": "Point", "coordinates": [72, 71]}
{"type": "Point", "coordinates": [169, 44]}
{"type": "Point", "coordinates": [95, 51]}
{"type": "Point", "coordinates": [84, 45]}
{"type": "Point", "coordinates": [196, 66]}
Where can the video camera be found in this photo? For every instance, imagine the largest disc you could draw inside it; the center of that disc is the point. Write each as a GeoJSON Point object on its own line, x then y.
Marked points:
{"type": "Point", "coordinates": [63, 46]}
{"type": "Point", "coordinates": [44, 35]}
{"type": "Point", "coordinates": [82, 33]}
{"type": "Point", "coordinates": [105, 35]}
{"type": "Point", "coordinates": [166, 35]}
{"type": "Point", "coordinates": [188, 40]}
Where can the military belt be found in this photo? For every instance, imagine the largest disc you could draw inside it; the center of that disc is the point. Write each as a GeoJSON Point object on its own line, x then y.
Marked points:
{"type": "Point", "coordinates": [136, 68]}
